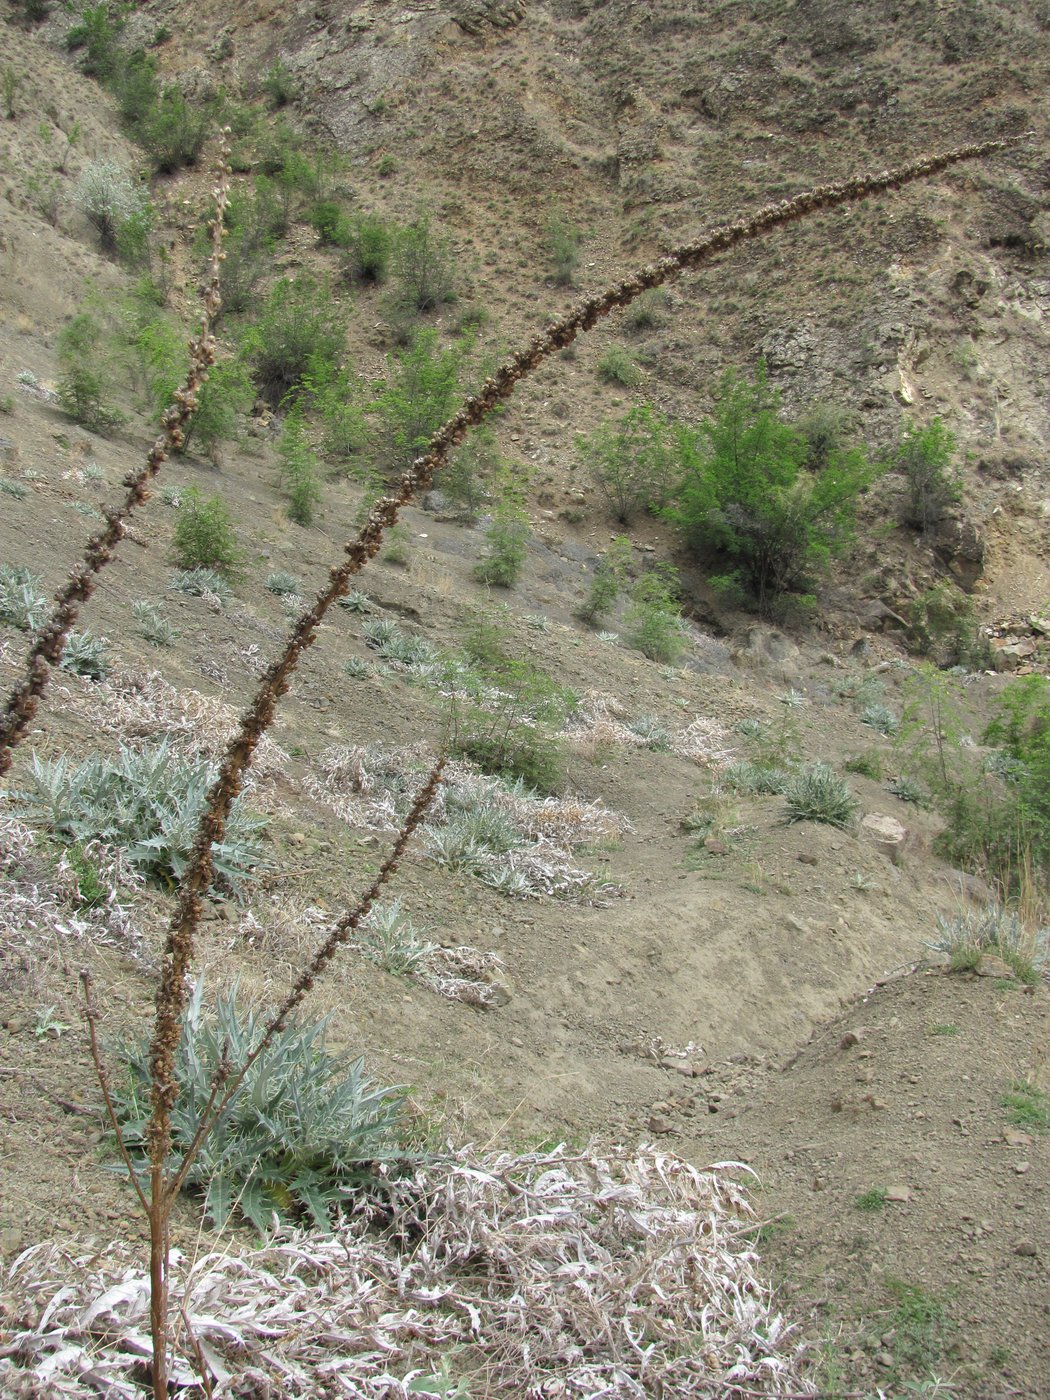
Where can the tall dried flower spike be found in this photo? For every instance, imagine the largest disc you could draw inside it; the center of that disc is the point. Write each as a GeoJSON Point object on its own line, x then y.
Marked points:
{"type": "Point", "coordinates": [46, 651]}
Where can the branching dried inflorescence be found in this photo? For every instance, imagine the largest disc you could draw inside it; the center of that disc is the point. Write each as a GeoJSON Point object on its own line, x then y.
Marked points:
{"type": "Point", "coordinates": [46, 651]}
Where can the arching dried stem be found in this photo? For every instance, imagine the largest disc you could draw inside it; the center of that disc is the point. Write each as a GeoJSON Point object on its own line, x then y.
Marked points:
{"type": "Point", "coordinates": [46, 651]}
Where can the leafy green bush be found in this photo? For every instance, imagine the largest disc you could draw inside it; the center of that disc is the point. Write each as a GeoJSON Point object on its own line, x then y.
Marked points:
{"type": "Point", "coordinates": [279, 84]}
{"type": "Point", "coordinates": [299, 468]}
{"type": "Point", "coordinates": [173, 131]}
{"type": "Point", "coordinates": [110, 199]}
{"type": "Point", "coordinates": [924, 456]}
{"type": "Point", "coordinates": [506, 542]}
{"type": "Point", "coordinates": [610, 575]}
{"type": "Point", "coordinates": [204, 537]}
{"type": "Point", "coordinates": [303, 1130]}
{"type": "Point", "coordinates": [98, 33]}
{"type": "Point", "coordinates": [945, 627]}
{"type": "Point", "coordinates": [328, 220]}
{"type": "Point", "coordinates": [618, 366]}
{"type": "Point", "coordinates": [746, 497]}
{"type": "Point", "coordinates": [371, 244]}
{"type": "Point", "coordinates": [818, 794]}
{"type": "Point", "coordinates": [297, 330]}
{"type": "Point", "coordinates": [473, 465]}
{"type": "Point", "coordinates": [83, 386]}
{"type": "Point", "coordinates": [508, 745]}
{"type": "Point", "coordinates": [653, 622]}
{"type": "Point", "coordinates": [225, 394]}
{"type": "Point", "coordinates": [421, 393]}
{"type": "Point", "coordinates": [634, 463]}
{"type": "Point", "coordinates": [146, 803]}
{"type": "Point", "coordinates": [424, 267]}
{"type": "Point", "coordinates": [563, 241]}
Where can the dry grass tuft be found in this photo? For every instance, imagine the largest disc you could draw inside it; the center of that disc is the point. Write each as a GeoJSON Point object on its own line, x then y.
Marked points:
{"type": "Point", "coordinates": [370, 787]}
{"type": "Point", "coordinates": [136, 705]}
{"type": "Point", "coordinates": [539, 1275]}
{"type": "Point", "coordinates": [602, 721]}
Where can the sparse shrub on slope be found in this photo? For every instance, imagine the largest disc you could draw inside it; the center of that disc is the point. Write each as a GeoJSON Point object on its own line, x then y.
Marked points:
{"type": "Point", "coordinates": [204, 537]}
{"type": "Point", "coordinates": [297, 328]}
{"type": "Point", "coordinates": [932, 486]}
{"type": "Point", "coordinates": [634, 463]}
{"type": "Point", "coordinates": [747, 497]}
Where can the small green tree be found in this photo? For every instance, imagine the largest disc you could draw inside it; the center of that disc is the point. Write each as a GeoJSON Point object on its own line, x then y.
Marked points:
{"type": "Point", "coordinates": [421, 393]}
{"type": "Point", "coordinates": [746, 497]}
{"type": "Point", "coordinates": [924, 456]}
{"type": "Point", "coordinates": [653, 622]}
{"type": "Point", "coordinates": [371, 249]}
{"type": "Point", "coordinates": [610, 575]}
{"type": "Point", "coordinates": [299, 468]}
{"type": "Point", "coordinates": [474, 464]}
{"type": "Point", "coordinates": [563, 240]}
{"type": "Point", "coordinates": [86, 370]}
{"type": "Point", "coordinates": [226, 393]}
{"type": "Point", "coordinates": [424, 266]}
{"type": "Point", "coordinates": [204, 537]}
{"type": "Point", "coordinates": [298, 330]}
{"type": "Point", "coordinates": [507, 539]}
{"type": "Point", "coordinates": [634, 463]}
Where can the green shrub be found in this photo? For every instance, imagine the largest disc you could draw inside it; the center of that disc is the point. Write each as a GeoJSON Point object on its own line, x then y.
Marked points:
{"type": "Point", "coordinates": [371, 245]}
{"type": "Point", "coordinates": [204, 537]}
{"type": "Point", "coordinates": [110, 200]}
{"type": "Point", "coordinates": [506, 543]}
{"type": "Point", "coordinates": [334, 394]}
{"type": "Point", "coordinates": [474, 464]}
{"type": "Point", "coordinates": [424, 267]}
{"type": "Point", "coordinates": [328, 220]}
{"type": "Point", "coordinates": [298, 329]}
{"type": "Point", "coordinates": [945, 627]}
{"type": "Point", "coordinates": [924, 456]}
{"type": "Point", "coordinates": [868, 765]}
{"type": "Point", "coordinates": [299, 469]}
{"type": "Point", "coordinates": [563, 241]}
{"type": "Point", "coordinates": [303, 1130]}
{"type": "Point", "coordinates": [226, 393]}
{"type": "Point", "coordinates": [279, 84]}
{"type": "Point", "coordinates": [818, 794]}
{"type": "Point", "coordinates": [652, 622]}
{"type": "Point", "coordinates": [755, 779]}
{"type": "Point", "coordinates": [146, 803]}
{"type": "Point", "coordinates": [506, 747]}
{"type": "Point", "coordinates": [634, 463]}
{"type": "Point", "coordinates": [646, 311]}
{"type": "Point", "coordinates": [421, 393]}
{"type": "Point", "coordinates": [98, 33]}
{"type": "Point", "coordinates": [173, 131]}
{"type": "Point", "coordinates": [617, 366]}
{"type": "Point", "coordinates": [610, 576]}
{"type": "Point", "coordinates": [746, 497]}
{"type": "Point", "coordinates": [83, 384]}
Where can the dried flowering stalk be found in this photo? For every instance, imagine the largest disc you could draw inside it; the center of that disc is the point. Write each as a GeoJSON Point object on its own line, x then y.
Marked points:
{"type": "Point", "coordinates": [46, 651]}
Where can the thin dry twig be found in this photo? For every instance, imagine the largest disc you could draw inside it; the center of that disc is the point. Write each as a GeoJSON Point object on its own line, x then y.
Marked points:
{"type": "Point", "coordinates": [50, 641]}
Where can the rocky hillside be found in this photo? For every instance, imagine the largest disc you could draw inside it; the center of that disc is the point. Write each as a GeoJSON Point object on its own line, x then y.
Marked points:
{"type": "Point", "coordinates": [651, 952]}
